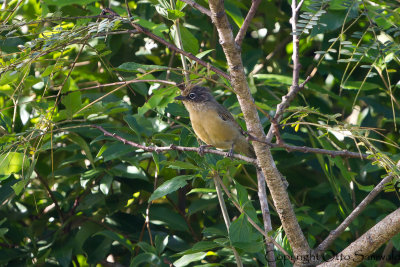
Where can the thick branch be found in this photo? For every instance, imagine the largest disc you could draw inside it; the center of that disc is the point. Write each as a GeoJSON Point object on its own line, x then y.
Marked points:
{"type": "Point", "coordinates": [368, 243]}
{"type": "Point", "coordinates": [339, 230]}
{"type": "Point", "coordinates": [239, 82]}
{"type": "Point", "coordinates": [242, 31]}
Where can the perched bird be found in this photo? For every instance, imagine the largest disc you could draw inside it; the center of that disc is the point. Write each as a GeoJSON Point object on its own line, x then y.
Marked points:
{"type": "Point", "coordinates": [213, 123]}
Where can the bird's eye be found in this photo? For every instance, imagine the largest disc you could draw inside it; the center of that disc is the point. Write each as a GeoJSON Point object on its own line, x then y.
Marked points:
{"type": "Point", "coordinates": [192, 95]}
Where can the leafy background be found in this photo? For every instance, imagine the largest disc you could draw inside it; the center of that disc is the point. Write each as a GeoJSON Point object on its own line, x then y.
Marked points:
{"type": "Point", "coordinates": [71, 196]}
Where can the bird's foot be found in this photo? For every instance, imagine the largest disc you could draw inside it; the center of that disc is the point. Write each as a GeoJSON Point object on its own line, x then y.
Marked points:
{"type": "Point", "coordinates": [230, 153]}
{"type": "Point", "coordinates": [201, 149]}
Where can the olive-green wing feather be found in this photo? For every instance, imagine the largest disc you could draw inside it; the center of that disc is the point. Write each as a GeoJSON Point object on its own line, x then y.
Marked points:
{"type": "Point", "coordinates": [227, 116]}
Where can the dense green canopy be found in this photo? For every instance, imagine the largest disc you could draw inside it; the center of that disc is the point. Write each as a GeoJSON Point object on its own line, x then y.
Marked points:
{"type": "Point", "coordinates": [81, 78]}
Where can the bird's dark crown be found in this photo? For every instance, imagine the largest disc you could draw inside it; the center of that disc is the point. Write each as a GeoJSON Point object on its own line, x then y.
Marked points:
{"type": "Point", "coordinates": [196, 94]}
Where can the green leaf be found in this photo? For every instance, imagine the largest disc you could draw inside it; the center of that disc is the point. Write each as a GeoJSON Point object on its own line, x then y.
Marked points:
{"type": "Point", "coordinates": [119, 238]}
{"type": "Point", "coordinates": [163, 215]}
{"type": "Point", "coordinates": [180, 165]}
{"type": "Point", "coordinates": [129, 171]}
{"type": "Point", "coordinates": [274, 79]}
{"type": "Point", "coordinates": [234, 12]}
{"type": "Point", "coordinates": [202, 205]}
{"type": "Point", "coordinates": [201, 246]}
{"type": "Point", "coordinates": [8, 77]}
{"type": "Point", "coordinates": [114, 151]}
{"type": "Point", "coordinates": [61, 3]}
{"type": "Point", "coordinates": [170, 186]}
{"type": "Point", "coordinates": [242, 235]}
{"type": "Point", "coordinates": [206, 52]}
{"type": "Point", "coordinates": [357, 85]}
{"type": "Point", "coordinates": [136, 67]}
{"type": "Point", "coordinates": [189, 42]}
{"type": "Point", "coordinates": [396, 241]}
{"type": "Point", "coordinates": [202, 190]}
{"type": "Point", "coordinates": [12, 162]}
{"type": "Point", "coordinates": [19, 186]}
{"type": "Point", "coordinates": [72, 103]}
{"type": "Point", "coordinates": [85, 147]}
{"type": "Point", "coordinates": [160, 243]}
{"type": "Point", "coordinates": [105, 184]}
{"type": "Point", "coordinates": [187, 259]}
{"type": "Point", "coordinates": [150, 258]}
{"type": "Point", "coordinates": [174, 14]}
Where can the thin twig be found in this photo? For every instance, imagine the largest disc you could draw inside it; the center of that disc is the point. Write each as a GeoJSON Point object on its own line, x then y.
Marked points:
{"type": "Point", "coordinates": [183, 215]}
{"type": "Point", "coordinates": [295, 87]}
{"type": "Point", "coordinates": [180, 51]}
{"type": "Point", "coordinates": [262, 196]}
{"type": "Point", "coordinates": [53, 198]}
{"type": "Point", "coordinates": [172, 147]}
{"type": "Point", "coordinates": [385, 254]}
{"type": "Point", "coordinates": [200, 8]}
{"type": "Point", "coordinates": [225, 215]}
{"type": "Point", "coordinates": [339, 230]}
{"type": "Point", "coordinates": [242, 31]}
{"type": "Point", "coordinates": [255, 225]}
{"type": "Point", "coordinates": [180, 46]}
{"type": "Point", "coordinates": [368, 243]}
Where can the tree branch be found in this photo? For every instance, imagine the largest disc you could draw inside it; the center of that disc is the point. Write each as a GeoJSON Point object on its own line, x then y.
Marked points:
{"type": "Point", "coordinates": [53, 198]}
{"type": "Point", "coordinates": [339, 230]}
{"type": "Point", "coordinates": [294, 88]}
{"type": "Point", "coordinates": [225, 215]}
{"type": "Point", "coordinates": [200, 8]}
{"type": "Point", "coordinates": [180, 51]}
{"type": "Point", "coordinates": [242, 31]}
{"type": "Point", "coordinates": [172, 147]}
{"type": "Point", "coordinates": [239, 82]}
{"type": "Point", "coordinates": [262, 196]}
{"type": "Point", "coordinates": [368, 243]}
{"type": "Point", "coordinates": [255, 225]}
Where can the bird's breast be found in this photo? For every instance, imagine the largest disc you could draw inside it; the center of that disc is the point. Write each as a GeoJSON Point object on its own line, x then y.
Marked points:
{"type": "Point", "coordinates": [212, 129]}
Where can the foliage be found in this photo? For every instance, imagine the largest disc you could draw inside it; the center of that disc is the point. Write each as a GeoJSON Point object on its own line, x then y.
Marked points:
{"type": "Point", "coordinates": [72, 196]}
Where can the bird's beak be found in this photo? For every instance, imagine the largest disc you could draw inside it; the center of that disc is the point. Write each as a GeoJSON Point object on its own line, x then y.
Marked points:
{"type": "Point", "coordinates": [180, 97]}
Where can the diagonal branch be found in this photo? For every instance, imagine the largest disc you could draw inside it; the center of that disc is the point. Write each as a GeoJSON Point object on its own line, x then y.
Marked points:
{"type": "Point", "coordinates": [200, 8]}
{"type": "Point", "coordinates": [242, 31]}
{"type": "Point", "coordinates": [255, 225]}
{"type": "Point", "coordinates": [53, 198]}
{"type": "Point", "coordinates": [368, 243]}
{"type": "Point", "coordinates": [225, 215]}
{"type": "Point", "coordinates": [339, 230]}
{"type": "Point", "coordinates": [180, 51]}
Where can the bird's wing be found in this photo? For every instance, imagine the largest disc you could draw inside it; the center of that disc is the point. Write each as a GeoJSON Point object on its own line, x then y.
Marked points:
{"type": "Point", "coordinates": [225, 115]}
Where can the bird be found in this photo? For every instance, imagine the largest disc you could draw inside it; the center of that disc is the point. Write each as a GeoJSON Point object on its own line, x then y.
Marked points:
{"type": "Point", "coordinates": [213, 123]}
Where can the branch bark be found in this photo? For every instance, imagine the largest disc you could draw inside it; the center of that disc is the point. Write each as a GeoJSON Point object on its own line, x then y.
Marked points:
{"type": "Point", "coordinates": [368, 243]}
{"type": "Point", "coordinates": [242, 31]}
{"type": "Point", "coordinates": [239, 82]}
{"type": "Point", "coordinates": [180, 51]}
{"type": "Point", "coordinates": [339, 230]}
{"type": "Point", "coordinates": [198, 7]}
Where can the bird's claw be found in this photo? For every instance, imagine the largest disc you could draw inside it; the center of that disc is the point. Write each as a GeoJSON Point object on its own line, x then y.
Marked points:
{"type": "Point", "coordinates": [230, 153]}
{"type": "Point", "coordinates": [201, 149]}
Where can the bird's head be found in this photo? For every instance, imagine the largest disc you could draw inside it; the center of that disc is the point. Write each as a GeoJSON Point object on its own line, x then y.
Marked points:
{"type": "Point", "coordinates": [196, 94]}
